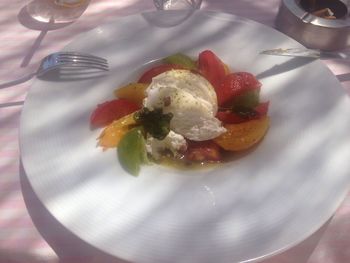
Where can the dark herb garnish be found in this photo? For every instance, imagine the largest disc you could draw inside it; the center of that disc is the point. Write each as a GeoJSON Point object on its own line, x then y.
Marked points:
{"type": "Point", "coordinates": [154, 122]}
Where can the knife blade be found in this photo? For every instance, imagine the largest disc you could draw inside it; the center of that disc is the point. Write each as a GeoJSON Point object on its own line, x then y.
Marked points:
{"type": "Point", "coordinates": [307, 53]}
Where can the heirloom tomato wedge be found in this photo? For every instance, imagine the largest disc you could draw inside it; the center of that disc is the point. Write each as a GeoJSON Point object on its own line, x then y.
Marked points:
{"type": "Point", "coordinates": [112, 134]}
{"type": "Point", "coordinates": [211, 67]}
{"type": "Point", "coordinates": [236, 84]}
{"type": "Point", "coordinates": [109, 111]}
{"type": "Point", "coordinates": [242, 136]}
{"type": "Point", "coordinates": [134, 92]}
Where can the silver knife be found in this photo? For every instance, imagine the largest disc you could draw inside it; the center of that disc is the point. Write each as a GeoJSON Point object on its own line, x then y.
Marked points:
{"type": "Point", "coordinates": [308, 53]}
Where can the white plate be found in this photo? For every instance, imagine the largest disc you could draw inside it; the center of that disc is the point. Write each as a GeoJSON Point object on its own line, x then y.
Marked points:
{"type": "Point", "coordinates": [245, 210]}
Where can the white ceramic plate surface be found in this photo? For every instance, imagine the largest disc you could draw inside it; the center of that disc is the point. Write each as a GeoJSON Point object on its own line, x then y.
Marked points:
{"type": "Point", "coordinates": [245, 210]}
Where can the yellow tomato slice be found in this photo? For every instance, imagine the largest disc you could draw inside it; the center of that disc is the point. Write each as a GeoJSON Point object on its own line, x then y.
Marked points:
{"type": "Point", "coordinates": [134, 92]}
{"type": "Point", "coordinates": [244, 135]}
{"type": "Point", "coordinates": [227, 69]}
{"type": "Point", "coordinates": [112, 134]}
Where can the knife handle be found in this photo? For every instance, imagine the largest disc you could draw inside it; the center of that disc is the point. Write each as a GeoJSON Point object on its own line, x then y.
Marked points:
{"type": "Point", "coordinates": [335, 54]}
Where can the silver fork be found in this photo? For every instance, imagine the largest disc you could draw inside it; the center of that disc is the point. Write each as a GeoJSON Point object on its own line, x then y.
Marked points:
{"type": "Point", "coordinates": [64, 59]}
{"type": "Point", "coordinates": [67, 59]}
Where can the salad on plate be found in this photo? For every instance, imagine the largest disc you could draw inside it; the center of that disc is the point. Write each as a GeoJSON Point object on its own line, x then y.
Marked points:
{"type": "Point", "coordinates": [183, 111]}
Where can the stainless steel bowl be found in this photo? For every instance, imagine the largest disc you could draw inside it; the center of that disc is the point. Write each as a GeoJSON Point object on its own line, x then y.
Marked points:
{"type": "Point", "coordinates": [313, 31]}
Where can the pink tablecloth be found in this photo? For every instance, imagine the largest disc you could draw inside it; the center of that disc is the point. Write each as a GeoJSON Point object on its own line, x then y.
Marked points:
{"type": "Point", "coordinates": [23, 44]}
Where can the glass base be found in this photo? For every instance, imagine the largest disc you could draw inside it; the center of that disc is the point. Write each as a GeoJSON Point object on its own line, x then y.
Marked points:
{"type": "Point", "coordinates": [177, 4]}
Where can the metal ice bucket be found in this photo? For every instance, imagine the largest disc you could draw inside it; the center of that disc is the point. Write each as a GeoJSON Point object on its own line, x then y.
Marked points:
{"type": "Point", "coordinates": [313, 31]}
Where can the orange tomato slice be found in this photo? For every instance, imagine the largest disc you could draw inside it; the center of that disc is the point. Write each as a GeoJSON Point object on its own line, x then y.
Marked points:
{"type": "Point", "coordinates": [112, 134]}
{"type": "Point", "coordinates": [244, 135]}
{"type": "Point", "coordinates": [134, 92]}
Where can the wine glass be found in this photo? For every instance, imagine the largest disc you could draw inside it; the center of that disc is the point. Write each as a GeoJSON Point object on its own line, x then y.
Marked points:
{"type": "Point", "coordinates": [57, 11]}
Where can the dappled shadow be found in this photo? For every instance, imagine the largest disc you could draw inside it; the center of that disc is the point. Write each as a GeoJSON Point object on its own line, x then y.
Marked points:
{"type": "Point", "coordinates": [9, 118]}
{"type": "Point", "coordinates": [44, 16]}
{"type": "Point", "coordinates": [10, 104]}
{"type": "Point", "coordinates": [343, 77]}
{"type": "Point", "coordinates": [243, 200]}
{"type": "Point", "coordinates": [260, 11]}
{"type": "Point", "coordinates": [8, 151]}
{"type": "Point", "coordinates": [92, 19]}
{"type": "Point", "coordinates": [289, 65]}
{"type": "Point", "coordinates": [17, 81]}
{"type": "Point", "coordinates": [10, 185]}
{"type": "Point", "coordinates": [336, 239]}
{"type": "Point", "coordinates": [301, 252]}
{"type": "Point", "coordinates": [168, 18]}
{"type": "Point", "coordinates": [14, 256]}
{"type": "Point", "coordinates": [73, 74]}
{"type": "Point", "coordinates": [67, 246]}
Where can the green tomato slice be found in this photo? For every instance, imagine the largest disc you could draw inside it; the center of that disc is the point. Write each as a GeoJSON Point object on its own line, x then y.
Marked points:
{"type": "Point", "coordinates": [249, 99]}
{"type": "Point", "coordinates": [132, 151]}
{"type": "Point", "coordinates": [181, 60]}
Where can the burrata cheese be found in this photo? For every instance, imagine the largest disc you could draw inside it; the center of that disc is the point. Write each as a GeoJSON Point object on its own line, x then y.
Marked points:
{"type": "Point", "coordinates": [192, 101]}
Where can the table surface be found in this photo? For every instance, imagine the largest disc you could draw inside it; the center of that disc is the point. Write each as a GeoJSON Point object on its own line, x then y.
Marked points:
{"type": "Point", "coordinates": [28, 233]}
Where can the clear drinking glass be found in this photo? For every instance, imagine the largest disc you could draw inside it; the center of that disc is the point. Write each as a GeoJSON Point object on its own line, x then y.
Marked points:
{"type": "Point", "coordinates": [57, 11]}
{"type": "Point", "coordinates": [177, 4]}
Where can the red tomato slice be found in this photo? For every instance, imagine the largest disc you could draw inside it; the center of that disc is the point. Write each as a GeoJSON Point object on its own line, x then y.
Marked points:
{"type": "Point", "coordinates": [262, 108]}
{"type": "Point", "coordinates": [202, 151]}
{"type": "Point", "coordinates": [155, 71]}
{"type": "Point", "coordinates": [211, 67]}
{"type": "Point", "coordinates": [235, 84]}
{"type": "Point", "coordinates": [230, 117]}
{"type": "Point", "coordinates": [109, 111]}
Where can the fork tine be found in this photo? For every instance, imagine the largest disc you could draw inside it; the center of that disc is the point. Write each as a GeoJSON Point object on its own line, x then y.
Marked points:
{"type": "Point", "coordinates": [71, 60]}
{"type": "Point", "coordinates": [92, 59]}
{"type": "Point", "coordinates": [77, 54]}
{"type": "Point", "coordinates": [86, 65]}
{"type": "Point", "coordinates": [81, 61]}
{"type": "Point", "coordinates": [80, 55]}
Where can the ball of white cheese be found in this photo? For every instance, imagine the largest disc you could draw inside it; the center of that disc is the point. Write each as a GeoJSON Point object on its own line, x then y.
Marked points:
{"type": "Point", "coordinates": [192, 101]}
